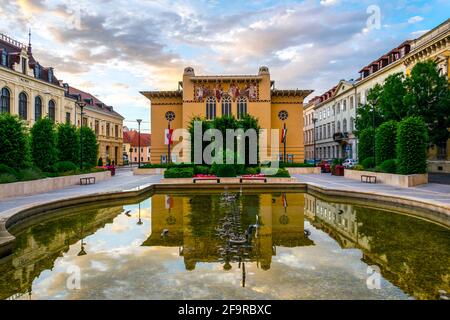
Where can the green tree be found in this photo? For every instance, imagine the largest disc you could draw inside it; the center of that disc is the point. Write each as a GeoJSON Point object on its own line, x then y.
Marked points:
{"type": "Point", "coordinates": [90, 146]}
{"type": "Point", "coordinates": [369, 114]}
{"type": "Point", "coordinates": [386, 141]}
{"type": "Point", "coordinates": [43, 144]}
{"type": "Point", "coordinates": [205, 126]}
{"type": "Point", "coordinates": [14, 151]}
{"type": "Point", "coordinates": [412, 139]}
{"type": "Point", "coordinates": [391, 100]}
{"type": "Point", "coordinates": [428, 96]}
{"type": "Point", "coordinates": [366, 144]}
{"type": "Point", "coordinates": [249, 122]}
{"type": "Point", "coordinates": [68, 143]}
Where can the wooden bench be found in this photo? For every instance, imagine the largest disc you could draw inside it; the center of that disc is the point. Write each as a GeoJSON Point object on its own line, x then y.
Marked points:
{"type": "Point", "coordinates": [368, 179]}
{"type": "Point", "coordinates": [87, 180]}
{"type": "Point", "coordinates": [241, 179]}
{"type": "Point", "coordinates": [206, 179]}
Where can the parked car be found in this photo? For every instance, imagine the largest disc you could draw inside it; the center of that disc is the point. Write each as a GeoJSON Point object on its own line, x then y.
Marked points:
{"type": "Point", "coordinates": [349, 163]}
{"type": "Point", "coordinates": [325, 166]}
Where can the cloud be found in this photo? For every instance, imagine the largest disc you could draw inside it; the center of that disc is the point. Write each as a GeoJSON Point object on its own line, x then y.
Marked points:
{"type": "Point", "coordinates": [329, 2]}
{"type": "Point", "coordinates": [415, 19]}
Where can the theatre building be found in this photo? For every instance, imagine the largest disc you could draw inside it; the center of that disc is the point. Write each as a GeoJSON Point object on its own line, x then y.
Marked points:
{"type": "Point", "coordinates": [231, 95]}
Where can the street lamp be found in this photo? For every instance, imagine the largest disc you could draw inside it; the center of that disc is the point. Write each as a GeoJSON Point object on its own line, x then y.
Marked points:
{"type": "Point", "coordinates": [139, 141]}
{"type": "Point", "coordinates": [81, 105]}
{"type": "Point", "coordinates": [314, 134]}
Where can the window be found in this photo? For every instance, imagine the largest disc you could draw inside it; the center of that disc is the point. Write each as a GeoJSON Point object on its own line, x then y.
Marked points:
{"type": "Point", "coordinates": [4, 58]}
{"type": "Point", "coordinates": [97, 124]}
{"type": "Point", "coordinates": [338, 109]}
{"type": "Point", "coordinates": [344, 125]}
{"type": "Point", "coordinates": [352, 102]}
{"type": "Point", "coordinates": [358, 98]}
{"type": "Point", "coordinates": [334, 128]}
{"type": "Point", "coordinates": [85, 122]}
{"type": "Point", "coordinates": [67, 117]}
{"type": "Point", "coordinates": [24, 65]}
{"type": "Point", "coordinates": [50, 75]}
{"type": "Point", "coordinates": [241, 107]}
{"type": "Point", "coordinates": [210, 108]}
{"type": "Point", "coordinates": [108, 130]}
{"type": "Point", "coordinates": [226, 106]}
{"type": "Point", "coordinates": [51, 110]}
{"type": "Point", "coordinates": [37, 108]}
{"type": "Point", "coordinates": [344, 107]}
{"type": "Point", "coordinates": [23, 106]}
{"type": "Point", "coordinates": [116, 131]}
{"type": "Point", "coordinates": [37, 71]}
{"type": "Point", "coordinates": [4, 101]}
{"type": "Point", "coordinates": [329, 131]}
{"type": "Point", "coordinates": [339, 126]}
{"type": "Point", "coordinates": [352, 124]}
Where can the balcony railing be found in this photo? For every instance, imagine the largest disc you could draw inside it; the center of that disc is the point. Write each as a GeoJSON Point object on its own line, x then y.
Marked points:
{"type": "Point", "coordinates": [340, 136]}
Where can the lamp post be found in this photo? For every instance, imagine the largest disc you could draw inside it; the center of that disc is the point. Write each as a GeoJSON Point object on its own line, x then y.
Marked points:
{"type": "Point", "coordinates": [81, 105]}
{"type": "Point", "coordinates": [139, 141]}
{"type": "Point", "coordinates": [314, 134]}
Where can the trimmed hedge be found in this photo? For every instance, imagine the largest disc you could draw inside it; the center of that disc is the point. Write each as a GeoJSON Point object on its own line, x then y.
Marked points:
{"type": "Point", "coordinates": [282, 173]}
{"type": "Point", "coordinates": [13, 141]}
{"type": "Point", "coordinates": [412, 140]}
{"type": "Point", "coordinates": [365, 146]}
{"type": "Point", "coordinates": [386, 141]}
{"type": "Point", "coordinates": [179, 173]}
{"type": "Point", "coordinates": [368, 163]}
{"type": "Point", "coordinates": [4, 169]}
{"type": "Point", "coordinates": [389, 166]}
{"type": "Point", "coordinates": [226, 170]}
{"type": "Point", "coordinates": [64, 166]}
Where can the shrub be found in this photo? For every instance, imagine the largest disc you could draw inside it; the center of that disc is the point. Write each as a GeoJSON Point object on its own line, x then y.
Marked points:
{"type": "Point", "coordinates": [282, 173]}
{"type": "Point", "coordinates": [201, 170]}
{"type": "Point", "coordinates": [365, 147]}
{"type": "Point", "coordinates": [64, 166]}
{"type": "Point", "coordinates": [100, 162]}
{"type": "Point", "coordinates": [13, 141]}
{"type": "Point", "coordinates": [358, 167]}
{"type": "Point", "coordinates": [30, 174]}
{"type": "Point", "coordinates": [7, 170]}
{"type": "Point", "coordinates": [368, 163]}
{"type": "Point", "coordinates": [412, 139]}
{"type": "Point", "coordinates": [179, 173]}
{"type": "Point", "coordinates": [385, 141]}
{"type": "Point", "coordinates": [226, 170]}
{"type": "Point", "coordinates": [43, 143]}
{"type": "Point", "coordinates": [252, 170]}
{"type": "Point", "coordinates": [68, 143]}
{"type": "Point", "coordinates": [389, 166]}
{"type": "Point", "coordinates": [7, 178]}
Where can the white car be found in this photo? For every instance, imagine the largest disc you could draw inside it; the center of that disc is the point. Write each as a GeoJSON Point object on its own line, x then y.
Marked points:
{"type": "Point", "coordinates": [349, 163]}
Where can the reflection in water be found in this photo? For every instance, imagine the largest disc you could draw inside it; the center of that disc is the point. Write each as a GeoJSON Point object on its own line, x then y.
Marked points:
{"type": "Point", "coordinates": [229, 246]}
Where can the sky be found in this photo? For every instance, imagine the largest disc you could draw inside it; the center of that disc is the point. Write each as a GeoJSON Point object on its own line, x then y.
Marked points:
{"type": "Point", "coordinates": [116, 48]}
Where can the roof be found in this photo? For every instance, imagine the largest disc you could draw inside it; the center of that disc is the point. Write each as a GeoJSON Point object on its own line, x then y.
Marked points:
{"type": "Point", "coordinates": [386, 56]}
{"type": "Point", "coordinates": [132, 137]}
{"type": "Point", "coordinates": [92, 101]}
{"type": "Point", "coordinates": [162, 94]}
{"type": "Point", "coordinates": [295, 93]}
{"type": "Point", "coordinates": [14, 48]}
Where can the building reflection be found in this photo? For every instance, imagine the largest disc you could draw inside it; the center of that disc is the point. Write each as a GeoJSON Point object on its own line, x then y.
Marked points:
{"type": "Point", "coordinates": [38, 247]}
{"type": "Point", "coordinates": [214, 228]}
{"type": "Point", "coordinates": [411, 253]}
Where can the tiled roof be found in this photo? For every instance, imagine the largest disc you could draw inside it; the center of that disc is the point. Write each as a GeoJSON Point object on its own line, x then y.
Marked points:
{"type": "Point", "coordinates": [92, 102]}
{"type": "Point", "coordinates": [13, 48]}
{"type": "Point", "coordinates": [132, 137]}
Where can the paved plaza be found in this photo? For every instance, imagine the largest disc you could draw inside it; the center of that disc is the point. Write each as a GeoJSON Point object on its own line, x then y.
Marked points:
{"type": "Point", "coordinates": [125, 180]}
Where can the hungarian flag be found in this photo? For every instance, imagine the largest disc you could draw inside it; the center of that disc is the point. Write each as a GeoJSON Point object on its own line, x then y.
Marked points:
{"type": "Point", "coordinates": [168, 136]}
{"type": "Point", "coordinates": [285, 204]}
{"type": "Point", "coordinates": [283, 135]}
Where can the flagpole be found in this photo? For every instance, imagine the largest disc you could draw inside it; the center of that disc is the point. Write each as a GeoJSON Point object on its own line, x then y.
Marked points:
{"type": "Point", "coordinates": [284, 143]}
{"type": "Point", "coordinates": [168, 144]}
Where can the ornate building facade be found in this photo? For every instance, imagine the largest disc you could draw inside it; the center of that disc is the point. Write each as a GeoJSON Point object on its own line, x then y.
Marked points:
{"type": "Point", "coordinates": [213, 96]}
{"type": "Point", "coordinates": [32, 91]}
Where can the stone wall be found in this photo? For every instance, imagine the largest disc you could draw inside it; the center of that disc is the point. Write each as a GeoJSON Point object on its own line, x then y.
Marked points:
{"type": "Point", "coordinates": [397, 180]}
